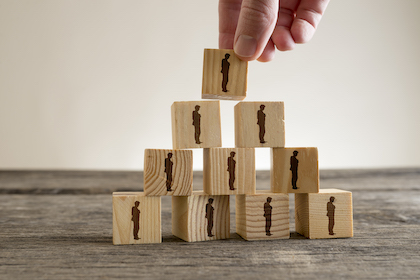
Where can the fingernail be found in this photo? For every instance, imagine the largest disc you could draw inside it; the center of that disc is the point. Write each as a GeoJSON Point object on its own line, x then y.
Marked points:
{"type": "Point", "coordinates": [245, 46]}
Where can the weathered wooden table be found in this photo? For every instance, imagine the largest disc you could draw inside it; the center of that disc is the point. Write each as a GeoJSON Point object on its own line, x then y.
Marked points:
{"type": "Point", "coordinates": [58, 225]}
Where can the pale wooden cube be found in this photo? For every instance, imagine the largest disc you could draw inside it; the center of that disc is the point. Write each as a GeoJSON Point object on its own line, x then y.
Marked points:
{"type": "Point", "coordinates": [292, 173]}
{"type": "Point", "coordinates": [259, 124]}
{"type": "Point", "coordinates": [229, 171]}
{"type": "Point", "coordinates": [201, 217]}
{"type": "Point", "coordinates": [196, 124]}
{"type": "Point", "coordinates": [168, 172]}
{"type": "Point", "coordinates": [264, 215]}
{"type": "Point", "coordinates": [327, 214]}
{"type": "Point", "coordinates": [224, 75]}
{"type": "Point", "coordinates": [136, 218]}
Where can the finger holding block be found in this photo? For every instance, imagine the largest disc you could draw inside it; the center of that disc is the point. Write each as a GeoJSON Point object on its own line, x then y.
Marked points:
{"type": "Point", "coordinates": [229, 171]}
{"type": "Point", "coordinates": [168, 172]}
{"type": "Point", "coordinates": [259, 124]}
{"type": "Point", "coordinates": [196, 124]}
{"type": "Point", "coordinates": [294, 170]}
{"type": "Point", "coordinates": [224, 75]}
{"type": "Point", "coordinates": [201, 217]}
{"type": "Point", "coordinates": [136, 218]}
{"type": "Point", "coordinates": [327, 214]}
{"type": "Point", "coordinates": [263, 215]}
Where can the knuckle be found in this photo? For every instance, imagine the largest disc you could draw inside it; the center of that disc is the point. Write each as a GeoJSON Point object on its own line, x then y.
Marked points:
{"type": "Point", "coordinates": [258, 12]}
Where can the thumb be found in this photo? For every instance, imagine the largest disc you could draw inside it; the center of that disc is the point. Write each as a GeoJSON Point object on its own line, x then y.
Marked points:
{"type": "Point", "coordinates": [256, 23]}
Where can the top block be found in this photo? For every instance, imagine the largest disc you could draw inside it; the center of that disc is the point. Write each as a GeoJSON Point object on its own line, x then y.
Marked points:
{"type": "Point", "coordinates": [224, 75]}
{"type": "Point", "coordinates": [196, 124]}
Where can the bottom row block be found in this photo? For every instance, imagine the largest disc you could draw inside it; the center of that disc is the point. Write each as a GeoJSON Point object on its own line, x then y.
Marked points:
{"type": "Point", "coordinates": [201, 217]}
{"type": "Point", "coordinates": [263, 215]}
{"type": "Point", "coordinates": [136, 218]}
{"type": "Point", "coordinates": [327, 214]}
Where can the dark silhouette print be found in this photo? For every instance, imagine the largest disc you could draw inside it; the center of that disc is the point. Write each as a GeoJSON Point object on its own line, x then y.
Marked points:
{"type": "Point", "coordinates": [168, 170]}
{"type": "Point", "coordinates": [225, 72]}
{"type": "Point", "coordinates": [231, 169]}
{"type": "Point", "coordinates": [261, 123]}
{"type": "Point", "coordinates": [294, 162]}
{"type": "Point", "coordinates": [267, 214]}
{"type": "Point", "coordinates": [330, 214]}
{"type": "Point", "coordinates": [209, 217]}
{"type": "Point", "coordinates": [197, 124]}
{"type": "Point", "coordinates": [135, 217]}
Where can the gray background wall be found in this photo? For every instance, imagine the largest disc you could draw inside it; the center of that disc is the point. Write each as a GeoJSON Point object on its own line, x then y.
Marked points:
{"type": "Point", "coordinates": [89, 84]}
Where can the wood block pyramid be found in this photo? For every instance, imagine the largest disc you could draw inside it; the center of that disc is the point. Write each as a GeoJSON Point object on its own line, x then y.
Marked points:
{"type": "Point", "coordinates": [204, 215]}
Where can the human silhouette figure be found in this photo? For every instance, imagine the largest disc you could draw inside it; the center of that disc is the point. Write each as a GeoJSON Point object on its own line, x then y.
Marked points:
{"type": "Point", "coordinates": [197, 124]}
{"type": "Point", "coordinates": [135, 217]}
{"type": "Point", "coordinates": [261, 123]}
{"type": "Point", "coordinates": [267, 214]}
{"type": "Point", "coordinates": [330, 214]}
{"type": "Point", "coordinates": [209, 217]}
{"type": "Point", "coordinates": [168, 170]}
{"type": "Point", "coordinates": [225, 72]}
{"type": "Point", "coordinates": [231, 169]}
{"type": "Point", "coordinates": [294, 162]}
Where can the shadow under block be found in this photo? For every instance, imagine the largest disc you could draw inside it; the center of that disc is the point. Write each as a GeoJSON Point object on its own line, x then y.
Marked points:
{"type": "Point", "coordinates": [196, 124]}
{"type": "Point", "coordinates": [222, 172]}
{"type": "Point", "coordinates": [263, 215]}
{"type": "Point", "coordinates": [289, 171]}
{"type": "Point", "coordinates": [317, 217]}
{"type": "Point", "coordinates": [168, 172]}
{"type": "Point", "coordinates": [259, 124]}
{"type": "Point", "coordinates": [134, 213]}
{"type": "Point", "coordinates": [195, 218]}
{"type": "Point", "coordinates": [224, 75]}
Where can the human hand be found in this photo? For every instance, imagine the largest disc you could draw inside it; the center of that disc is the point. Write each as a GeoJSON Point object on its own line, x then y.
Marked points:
{"type": "Point", "coordinates": [254, 28]}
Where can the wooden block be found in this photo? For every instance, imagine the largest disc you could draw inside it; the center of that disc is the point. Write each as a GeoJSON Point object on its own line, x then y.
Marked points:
{"type": "Point", "coordinates": [196, 124]}
{"type": "Point", "coordinates": [135, 218]}
{"type": "Point", "coordinates": [224, 75]}
{"type": "Point", "coordinates": [229, 171]}
{"type": "Point", "coordinates": [201, 217]}
{"type": "Point", "coordinates": [294, 170]}
{"type": "Point", "coordinates": [168, 172]}
{"type": "Point", "coordinates": [327, 214]}
{"type": "Point", "coordinates": [259, 124]}
{"type": "Point", "coordinates": [263, 215]}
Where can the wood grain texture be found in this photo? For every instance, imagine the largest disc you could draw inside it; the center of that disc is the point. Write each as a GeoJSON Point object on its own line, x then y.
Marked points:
{"type": "Point", "coordinates": [187, 125]}
{"type": "Point", "coordinates": [217, 176]}
{"type": "Point", "coordinates": [312, 214]}
{"type": "Point", "coordinates": [156, 178]}
{"type": "Point", "coordinates": [213, 75]}
{"type": "Point", "coordinates": [259, 124]}
{"type": "Point", "coordinates": [57, 225]}
{"type": "Point", "coordinates": [282, 173]}
{"type": "Point", "coordinates": [252, 219]}
{"type": "Point", "coordinates": [122, 218]}
{"type": "Point", "coordinates": [189, 217]}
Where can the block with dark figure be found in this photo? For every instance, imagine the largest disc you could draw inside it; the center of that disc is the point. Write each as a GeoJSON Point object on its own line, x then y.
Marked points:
{"type": "Point", "coordinates": [267, 214]}
{"type": "Point", "coordinates": [135, 217]}
{"type": "Point", "coordinates": [225, 72]}
{"type": "Point", "coordinates": [313, 217]}
{"type": "Point", "coordinates": [209, 217]}
{"type": "Point", "coordinates": [261, 123]}
{"type": "Point", "coordinates": [231, 169]}
{"type": "Point", "coordinates": [330, 214]}
{"type": "Point", "coordinates": [197, 124]}
{"type": "Point", "coordinates": [294, 162]}
{"type": "Point", "coordinates": [168, 170]}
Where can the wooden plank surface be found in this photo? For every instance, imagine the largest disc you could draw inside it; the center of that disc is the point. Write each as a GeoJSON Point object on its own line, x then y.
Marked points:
{"type": "Point", "coordinates": [65, 232]}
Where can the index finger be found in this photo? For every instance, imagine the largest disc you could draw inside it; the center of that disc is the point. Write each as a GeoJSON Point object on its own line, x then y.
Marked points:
{"type": "Point", "coordinates": [228, 20]}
